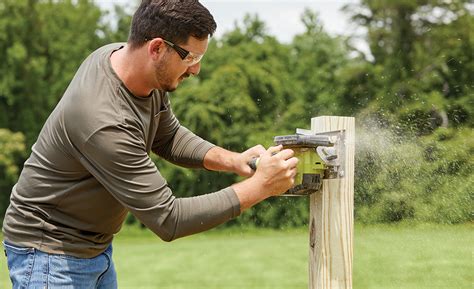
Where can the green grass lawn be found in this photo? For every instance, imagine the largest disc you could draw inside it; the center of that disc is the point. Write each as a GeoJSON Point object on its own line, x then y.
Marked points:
{"type": "Point", "coordinates": [385, 257]}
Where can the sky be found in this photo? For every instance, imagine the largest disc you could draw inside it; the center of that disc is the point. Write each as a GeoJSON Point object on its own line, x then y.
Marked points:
{"type": "Point", "coordinates": [282, 17]}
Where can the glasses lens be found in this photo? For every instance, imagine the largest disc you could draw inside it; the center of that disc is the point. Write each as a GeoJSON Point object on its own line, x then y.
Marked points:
{"type": "Point", "coordinates": [188, 57]}
{"type": "Point", "coordinates": [192, 59]}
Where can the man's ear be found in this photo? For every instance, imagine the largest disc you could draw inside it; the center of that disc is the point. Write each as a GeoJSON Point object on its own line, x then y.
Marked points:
{"type": "Point", "coordinates": [156, 47]}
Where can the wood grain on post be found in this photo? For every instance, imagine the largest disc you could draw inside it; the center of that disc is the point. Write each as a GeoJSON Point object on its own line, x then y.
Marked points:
{"type": "Point", "coordinates": [332, 215]}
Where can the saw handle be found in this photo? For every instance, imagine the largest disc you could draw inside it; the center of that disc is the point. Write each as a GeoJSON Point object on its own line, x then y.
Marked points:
{"type": "Point", "coordinates": [253, 163]}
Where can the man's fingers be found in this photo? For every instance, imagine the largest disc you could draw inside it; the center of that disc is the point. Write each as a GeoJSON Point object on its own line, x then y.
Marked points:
{"type": "Point", "coordinates": [293, 173]}
{"type": "Point", "coordinates": [258, 150]}
{"type": "Point", "coordinates": [286, 154]}
{"type": "Point", "coordinates": [274, 150]}
{"type": "Point", "coordinates": [292, 162]}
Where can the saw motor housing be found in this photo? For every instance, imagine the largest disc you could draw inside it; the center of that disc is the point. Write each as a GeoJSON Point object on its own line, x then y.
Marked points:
{"type": "Point", "coordinates": [318, 159]}
{"type": "Point", "coordinates": [310, 171]}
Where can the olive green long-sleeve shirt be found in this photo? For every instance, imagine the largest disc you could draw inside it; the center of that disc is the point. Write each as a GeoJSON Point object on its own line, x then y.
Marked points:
{"type": "Point", "coordinates": [91, 165]}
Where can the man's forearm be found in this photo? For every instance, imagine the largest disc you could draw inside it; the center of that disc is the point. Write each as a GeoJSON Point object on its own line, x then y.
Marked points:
{"type": "Point", "coordinates": [249, 192]}
{"type": "Point", "coordinates": [184, 149]}
{"type": "Point", "coordinates": [219, 159]}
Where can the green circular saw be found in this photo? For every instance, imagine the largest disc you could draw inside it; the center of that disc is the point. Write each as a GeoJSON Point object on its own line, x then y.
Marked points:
{"type": "Point", "coordinates": [318, 159]}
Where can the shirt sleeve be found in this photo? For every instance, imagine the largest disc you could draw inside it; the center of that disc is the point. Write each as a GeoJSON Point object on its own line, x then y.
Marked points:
{"type": "Point", "coordinates": [177, 144]}
{"type": "Point", "coordinates": [116, 157]}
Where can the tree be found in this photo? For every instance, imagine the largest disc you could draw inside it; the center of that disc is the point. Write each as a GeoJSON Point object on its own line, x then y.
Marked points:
{"type": "Point", "coordinates": [422, 57]}
{"type": "Point", "coordinates": [316, 63]}
{"type": "Point", "coordinates": [42, 44]}
{"type": "Point", "coordinates": [12, 152]}
{"type": "Point", "coordinates": [418, 93]}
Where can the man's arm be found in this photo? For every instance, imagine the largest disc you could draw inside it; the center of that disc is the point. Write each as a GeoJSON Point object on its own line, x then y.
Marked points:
{"type": "Point", "coordinates": [116, 157]}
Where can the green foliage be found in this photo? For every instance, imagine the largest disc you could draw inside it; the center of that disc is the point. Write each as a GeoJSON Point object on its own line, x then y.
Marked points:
{"type": "Point", "coordinates": [427, 179]}
{"type": "Point", "coordinates": [276, 213]}
{"type": "Point", "coordinates": [412, 98]}
{"type": "Point", "coordinates": [316, 64]}
{"type": "Point", "coordinates": [423, 47]}
{"type": "Point", "coordinates": [414, 160]}
{"type": "Point", "coordinates": [44, 43]}
{"type": "Point", "coordinates": [12, 152]}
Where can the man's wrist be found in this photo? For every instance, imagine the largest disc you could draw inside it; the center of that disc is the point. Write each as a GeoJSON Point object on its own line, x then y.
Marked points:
{"type": "Point", "coordinates": [220, 159]}
{"type": "Point", "coordinates": [249, 192]}
{"type": "Point", "coordinates": [234, 162]}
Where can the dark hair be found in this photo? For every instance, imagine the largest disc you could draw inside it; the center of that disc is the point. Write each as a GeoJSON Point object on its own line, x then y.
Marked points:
{"type": "Point", "coordinates": [173, 20]}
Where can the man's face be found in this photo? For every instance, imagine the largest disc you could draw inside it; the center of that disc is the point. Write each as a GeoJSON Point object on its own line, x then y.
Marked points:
{"type": "Point", "coordinates": [171, 69]}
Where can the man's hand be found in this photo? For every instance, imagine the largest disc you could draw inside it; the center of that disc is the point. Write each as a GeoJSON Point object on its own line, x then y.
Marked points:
{"type": "Point", "coordinates": [276, 170]}
{"type": "Point", "coordinates": [275, 174]}
{"type": "Point", "coordinates": [242, 160]}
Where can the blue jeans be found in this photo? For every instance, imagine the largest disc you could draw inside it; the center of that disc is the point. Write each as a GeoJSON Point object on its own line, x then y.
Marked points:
{"type": "Point", "coordinates": [31, 268]}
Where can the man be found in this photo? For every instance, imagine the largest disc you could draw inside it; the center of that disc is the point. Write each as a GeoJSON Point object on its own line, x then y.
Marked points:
{"type": "Point", "coordinates": [91, 164]}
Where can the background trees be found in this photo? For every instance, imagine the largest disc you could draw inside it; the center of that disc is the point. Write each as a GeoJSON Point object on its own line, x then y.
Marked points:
{"type": "Point", "coordinates": [12, 154]}
{"type": "Point", "coordinates": [42, 43]}
{"type": "Point", "coordinates": [413, 99]}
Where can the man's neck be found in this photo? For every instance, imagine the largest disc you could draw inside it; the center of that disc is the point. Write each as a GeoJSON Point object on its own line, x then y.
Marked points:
{"type": "Point", "coordinates": [130, 68]}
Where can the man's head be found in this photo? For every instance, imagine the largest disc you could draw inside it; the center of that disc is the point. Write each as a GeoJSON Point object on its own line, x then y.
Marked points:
{"type": "Point", "coordinates": [173, 20]}
{"type": "Point", "coordinates": [175, 35]}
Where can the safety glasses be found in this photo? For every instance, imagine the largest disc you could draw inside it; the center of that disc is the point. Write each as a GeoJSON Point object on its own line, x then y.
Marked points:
{"type": "Point", "coordinates": [188, 57]}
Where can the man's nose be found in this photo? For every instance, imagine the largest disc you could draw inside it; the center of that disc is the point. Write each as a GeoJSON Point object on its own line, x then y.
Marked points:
{"type": "Point", "coordinates": [194, 69]}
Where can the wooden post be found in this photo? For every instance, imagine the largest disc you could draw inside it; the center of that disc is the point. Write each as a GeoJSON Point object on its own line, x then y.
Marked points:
{"type": "Point", "coordinates": [332, 215]}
